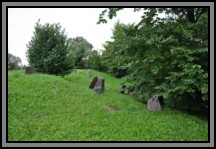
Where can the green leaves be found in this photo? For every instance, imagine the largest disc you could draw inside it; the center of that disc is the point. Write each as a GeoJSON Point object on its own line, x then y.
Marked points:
{"type": "Point", "coordinates": [154, 70]}
{"type": "Point", "coordinates": [168, 54]}
{"type": "Point", "coordinates": [80, 50]}
{"type": "Point", "coordinates": [13, 62]}
{"type": "Point", "coordinates": [111, 12]}
{"type": "Point", "coordinates": [47, 51]}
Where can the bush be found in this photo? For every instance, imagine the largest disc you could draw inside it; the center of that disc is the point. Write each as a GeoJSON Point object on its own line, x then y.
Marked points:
{"type": "Point", "coordinates": [48, 50]}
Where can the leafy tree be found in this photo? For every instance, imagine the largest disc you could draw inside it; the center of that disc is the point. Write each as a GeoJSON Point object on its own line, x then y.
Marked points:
{"type": "Point", "coordinates": [80, 48]}
{"type": "Point", "coordinates": [170, 55]}
{"type": "Point", "coordinates": [94, 61]}
{"type": "Point", "coordinates": [48, 49]}
{"type": "Point", "coordinates": [13, 62]}
{"type": "Point", "coordinates": [115, 58]}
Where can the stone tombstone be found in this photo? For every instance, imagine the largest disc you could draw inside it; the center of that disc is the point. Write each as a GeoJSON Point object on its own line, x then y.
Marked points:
{"type": "Point", "coordinates": [92, 85]}
{"type": "Point", "coordinates": [74, 71]}
{"type": "Point", "coordinates": [123, 89]}
{"type": "Point", "coordinates": [99, 86]}
{"type": "Point", "coordinates": [89, 73]}
{"type": "Point", "coordinates": [29, 70]}
{"type": "Point", "coordinates": [153, 104]}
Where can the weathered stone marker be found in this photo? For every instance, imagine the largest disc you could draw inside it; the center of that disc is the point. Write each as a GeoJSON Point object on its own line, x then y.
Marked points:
{"type": "Point", "coordinates": [74, 71]}
{"type": "Point", "coordinates": [154, 104]}
{"type": "Point", "coordinates": [92, 85]}
{"type": "Point", "coordinates": [29, 70]}
{"type": "Point", "coordinates": [98, 84]}
{"type": "Point", "coordinates": [123, 89]}
{"type": "Point", "coordinates": [89, 73]}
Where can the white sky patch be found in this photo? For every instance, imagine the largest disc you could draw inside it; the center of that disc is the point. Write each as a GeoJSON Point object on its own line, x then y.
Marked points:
{"type": "Point", "coordinates": [75, 21]}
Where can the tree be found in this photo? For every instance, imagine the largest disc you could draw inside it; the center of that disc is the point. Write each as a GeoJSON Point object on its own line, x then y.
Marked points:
{"type": "Point", "coordinates": [13, 61]}
{"type": "Point", "coordinates": [80, 48]}
{"type": "Point", "coordinates": [115, 58]}
{"type": "Point", "coordinates": [170, 55]}
{"type": "Point", "coordinates": [48, 50]}
{"type": "Point", "coordinates": [94, 61]}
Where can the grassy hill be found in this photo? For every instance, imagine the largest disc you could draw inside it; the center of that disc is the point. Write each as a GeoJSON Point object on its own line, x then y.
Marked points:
{"type": "Point", "coordinates": [51, 108]}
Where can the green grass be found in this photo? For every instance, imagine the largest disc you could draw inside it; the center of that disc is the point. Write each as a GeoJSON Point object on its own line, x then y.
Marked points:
{"type": "Point", "coordinates": [51, 108]}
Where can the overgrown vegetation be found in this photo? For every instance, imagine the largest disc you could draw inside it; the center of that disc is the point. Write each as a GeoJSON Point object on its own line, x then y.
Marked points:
{"type": "Point", "coordinates": [80, 50]}
{"type": "Point", "coordinates": [51, 108]}
{"type": "Point", "coordinates": [166, 53]}
{"type": "Point", "coordinates": [14, 62]}
{"type": "Point", "coordinates": [48, 50]}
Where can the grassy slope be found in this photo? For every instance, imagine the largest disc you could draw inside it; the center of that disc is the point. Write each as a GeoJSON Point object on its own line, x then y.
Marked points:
{"type": "Point", "coordinates": [44, 107]}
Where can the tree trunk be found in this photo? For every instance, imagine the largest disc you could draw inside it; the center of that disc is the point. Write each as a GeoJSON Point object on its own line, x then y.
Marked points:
{"type": "Point", "coordinates": [191, 16]}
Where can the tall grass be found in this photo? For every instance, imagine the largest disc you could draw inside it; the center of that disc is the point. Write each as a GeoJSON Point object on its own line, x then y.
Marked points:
{"type": "Point", "coordinates": [52, 108]}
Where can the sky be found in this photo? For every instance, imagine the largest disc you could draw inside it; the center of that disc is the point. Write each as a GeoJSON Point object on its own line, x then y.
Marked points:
{"type": "Point", "coordinates": [75, 21]}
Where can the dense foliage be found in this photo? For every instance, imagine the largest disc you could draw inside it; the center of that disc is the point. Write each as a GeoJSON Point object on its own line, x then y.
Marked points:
{"type": "Point", "coordinates": [48, 50]}
{"type": "Point", "coordinates": [80, 50]}
{"type": "Point", "coordinates": [166, 53]}
{"type": "Point", "coordinates": [14, 62]}
{"type": "Point", "coordinates": [95, 60]}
